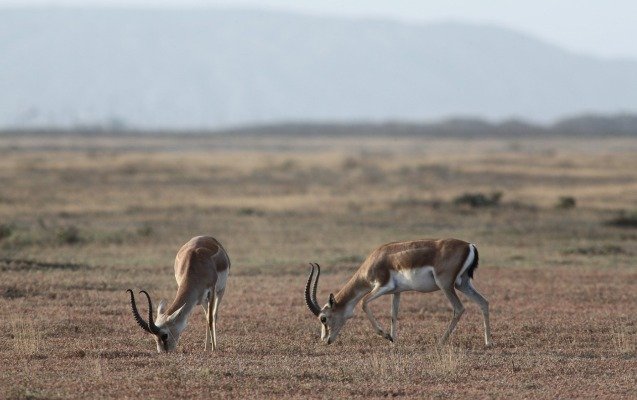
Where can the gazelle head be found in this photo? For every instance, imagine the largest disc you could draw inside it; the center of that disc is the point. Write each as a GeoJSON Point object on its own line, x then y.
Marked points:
{"type": "Point", "coordinates": [331, 316]}
{"type": "Point", "coordinates": [166, 329]}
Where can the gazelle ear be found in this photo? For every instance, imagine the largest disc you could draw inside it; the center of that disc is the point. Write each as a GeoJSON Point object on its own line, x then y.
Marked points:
{"type": "Point", "coordinates": [176, 313]}
{"type": "Point", "coordinates": [161, 308]}
{"type": "Point", "coordinates": [332, 301]}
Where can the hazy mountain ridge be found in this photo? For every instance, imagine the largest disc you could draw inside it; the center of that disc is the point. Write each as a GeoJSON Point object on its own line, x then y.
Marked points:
{"type": "Point", "coordinates": [583, 126]}
{"type": "Point", "coordinates": [215, 68]}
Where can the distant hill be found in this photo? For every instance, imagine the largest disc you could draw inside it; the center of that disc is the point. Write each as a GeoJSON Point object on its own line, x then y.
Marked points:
{"type": "Point", "coordinates": [621, 125]}
{"type": "Point", "coordinates": [585, 126]}
{"type": "Point", "coordinates": [209, 69]}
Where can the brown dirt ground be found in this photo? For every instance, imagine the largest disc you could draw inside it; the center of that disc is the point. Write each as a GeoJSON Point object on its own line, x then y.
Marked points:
{"type": "Point", "coordinates": [83, 219]}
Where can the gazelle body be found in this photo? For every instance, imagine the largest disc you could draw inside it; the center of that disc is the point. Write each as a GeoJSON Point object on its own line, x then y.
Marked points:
{"type": "Point", "coordinates": [201, 271]}
{"type": "Point", "coordinates": [421, 265]}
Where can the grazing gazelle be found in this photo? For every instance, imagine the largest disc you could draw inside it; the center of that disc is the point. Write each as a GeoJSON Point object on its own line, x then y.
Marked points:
{"type": "Point", "coordinates": [201, 271]}
{"type": "Point", "coordinates": [421, 265]}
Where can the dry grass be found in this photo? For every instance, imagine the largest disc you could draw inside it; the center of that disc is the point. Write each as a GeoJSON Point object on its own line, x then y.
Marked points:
{"type": "Point", "coordinates": [624, 339]}
{"type": "Point", "coordinates": [26, 338]}
{"type": "Point", "coordinates": [83, 219]}
{"type": "Point", "coordinates": [446, 360]}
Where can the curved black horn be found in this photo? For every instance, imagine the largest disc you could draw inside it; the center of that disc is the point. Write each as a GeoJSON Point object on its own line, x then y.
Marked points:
{"type": "Point", "coordinates": [152, 328]}
{"type": "Point", "coordinates": [138, 318]}
{"type": "Point", "coordinates": [309, 300]}
{"type": "Point", "coordinates": [316, 279]}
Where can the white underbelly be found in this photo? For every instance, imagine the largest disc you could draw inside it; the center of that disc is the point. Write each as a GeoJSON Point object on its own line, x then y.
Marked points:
{"type": "Point", "coordinates": [417, 279]}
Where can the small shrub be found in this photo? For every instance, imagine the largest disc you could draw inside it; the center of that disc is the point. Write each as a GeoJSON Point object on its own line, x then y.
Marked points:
{"type": "Point", "coordinates": [249, 211]}
{"type": "Point", "coordinates": [602, 250]}
{"type": "Point", "coordinates": [69, 235]}
{"type": "Point", "coordinates": [624, 220]}
{"type": "Point", "coordinates": [416, 202]}
{"type": "Point", "coordinates": [6, 230]}
{"type": "Point", "coordinates": [475, 200]}
{"type": "Point", "coordinates": [354, 207]}
{"type": "Point", "coordinates": [12, 292]}
{"type": "Point", "coordinates": [372, 174]}
{"type": "Point", "coordinates": [350, 163]}
{"type": "Point", "coordinates": [566, 202]}
{"type": "Point", "coordinates": [116, 237]}
{"type": "Point", "coordinates": [288, 165]}
{"type": "Point", "coordinates": [145, 230]}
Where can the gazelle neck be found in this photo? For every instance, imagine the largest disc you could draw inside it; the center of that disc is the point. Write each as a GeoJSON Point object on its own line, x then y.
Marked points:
{"type": "Point", "coordinates": [182, 306]}
{"type": "Point", "coordinates": [353, 291]}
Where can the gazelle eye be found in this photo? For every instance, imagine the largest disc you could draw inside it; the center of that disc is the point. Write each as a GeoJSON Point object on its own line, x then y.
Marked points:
{"type": "Point", "coordinates": [323, 319]}
{"type": "Point", "coordinates": [164, 337]}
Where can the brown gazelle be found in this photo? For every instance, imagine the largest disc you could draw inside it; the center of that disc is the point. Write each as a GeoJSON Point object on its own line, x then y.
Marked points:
{"type": "Point", "coordinates": [201, 271]}
{"type": "Point", "coordinates": [420, 265]}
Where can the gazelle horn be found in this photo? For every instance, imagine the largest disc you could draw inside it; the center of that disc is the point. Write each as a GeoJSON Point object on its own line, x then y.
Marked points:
{"type": "Point", "coordinates": [151, 324]}
{"type": "Point", "coordinates": [310, 298]}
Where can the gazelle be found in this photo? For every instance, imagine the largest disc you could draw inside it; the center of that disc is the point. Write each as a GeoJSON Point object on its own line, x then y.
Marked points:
{"type": "Point", "coordinates": [201, 271]}
{"type": "Point", "coordinates": [420, 265]}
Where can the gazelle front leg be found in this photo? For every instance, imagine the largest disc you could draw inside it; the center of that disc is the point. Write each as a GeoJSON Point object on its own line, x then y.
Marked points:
{"type": "Point", "coordinates": [394, 315]}
{"type": "Point", "coordinates": [374, 294]}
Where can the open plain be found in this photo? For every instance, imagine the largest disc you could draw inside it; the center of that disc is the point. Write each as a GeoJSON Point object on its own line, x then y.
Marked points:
{"type": "Point", "coordinates": [83, 218]}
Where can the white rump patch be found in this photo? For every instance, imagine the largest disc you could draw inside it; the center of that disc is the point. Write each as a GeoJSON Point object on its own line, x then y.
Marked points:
{"type": "Point", "coordinates": [222, 277]}
{"type": "Point", "coordinates": [467, 263]}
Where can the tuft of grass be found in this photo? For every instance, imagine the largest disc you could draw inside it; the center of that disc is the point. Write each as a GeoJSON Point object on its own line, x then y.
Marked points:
{"type": "Point", "coordinates": [98, 372]}
{"type": "Point", "coordinates": [623, 340]}
{"type": "Point", "coordinates": [27, 338]}
{"type": "Point", "coordinates": [394, 366]}
{"type": "Point", "coordinates": [12, 292]}
{"type": "Point", "coordinates": [446, 359]}
{"type": "Point", "coordinates": [25, 393]}
{"type": "Point", "coordinates": [404, 365]}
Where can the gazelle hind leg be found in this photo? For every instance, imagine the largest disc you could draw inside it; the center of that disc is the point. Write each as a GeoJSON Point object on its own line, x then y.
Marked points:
{"type": "Point", "coordinates": [458, 310]}
{"type": "Point", "coordinates": [208, 334]}
{"type": "Point", "coordinates": [467, 288]}
{"type": "Point", "coordinates": [215, 309]}
{"type": "Point", "coordinates": [211, 319]}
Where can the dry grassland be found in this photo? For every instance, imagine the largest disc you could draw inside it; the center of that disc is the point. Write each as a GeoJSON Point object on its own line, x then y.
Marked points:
{"type": "Point", "coordinates": [83, 219]}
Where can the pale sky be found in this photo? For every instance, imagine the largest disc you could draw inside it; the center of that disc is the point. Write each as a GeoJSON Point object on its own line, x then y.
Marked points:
{"type": "Point", "coordinates": [598, 27]}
